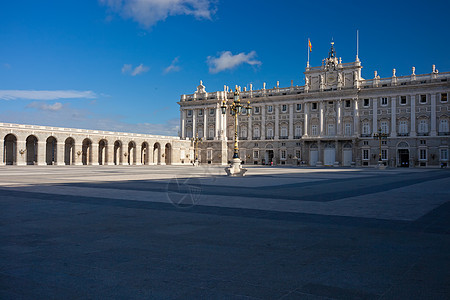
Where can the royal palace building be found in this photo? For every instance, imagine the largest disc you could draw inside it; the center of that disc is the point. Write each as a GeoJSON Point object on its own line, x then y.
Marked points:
{"type": "Point", "coordinates": [333, 120]}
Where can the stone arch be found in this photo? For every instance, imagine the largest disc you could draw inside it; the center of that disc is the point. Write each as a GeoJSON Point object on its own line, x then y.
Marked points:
{"type": "Point", "coordinates": [10, 149]}
{"type": "Point", "coordinates": [32, 149]}
{"type": "Point", "coordinates": [50, 150]}
{"type": "Point", "coordinates": [168, 154]}
{"type": "Point", "coordinates": [131, 153]}
{"type": "Point", "coordinates": [69, 151]}
{"type": "Point", "coordinates": [86, 152]}
{"type": "Point", "coordinates": [157, 153]}
{"type": "Point", "coordinates": [118, 152]}
{"type": "Point", "coordinates": [144, 153]}
{"type": "Point", "coordinates": [402, 144]}
{"type": "Point", "coordinates": [103, 152]}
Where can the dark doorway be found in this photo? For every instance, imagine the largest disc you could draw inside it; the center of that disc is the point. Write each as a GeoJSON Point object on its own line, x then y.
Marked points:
{"type": "Point", "coordinates": [403, 158]}
{"type": "Point", "coordinates": [269, 157]}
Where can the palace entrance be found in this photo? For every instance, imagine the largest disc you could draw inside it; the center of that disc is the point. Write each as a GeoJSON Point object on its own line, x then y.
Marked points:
{"type": "Point", "coordinates": [268, 157]}
{"type": "Point", "coordinates": [403, 158]}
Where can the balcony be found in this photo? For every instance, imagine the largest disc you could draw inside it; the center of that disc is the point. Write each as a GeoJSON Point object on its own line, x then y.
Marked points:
{"type": "Point", "coordinates": [423, 134]}
{"type": "Point", "coordinates": [284, 137]}
{"type": "Point", "coordinates": [269, 137]}
{"type": "Point", "coordinates": [444, 133]}
{"type": "Point", "coordinates": [256, 138]}
{"type": "Point", "coordinates": [403, 134]}
{"type": "Point", "coordinates": [366, 135]}
{"type": "Point", "coordinates": [297, 137]}
{"type": "Point", "coordinates": [243, 138]}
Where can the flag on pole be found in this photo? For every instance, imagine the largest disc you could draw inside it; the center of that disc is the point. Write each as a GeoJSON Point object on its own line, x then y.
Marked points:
{"type": "Point", "coordinates": [309, 46]}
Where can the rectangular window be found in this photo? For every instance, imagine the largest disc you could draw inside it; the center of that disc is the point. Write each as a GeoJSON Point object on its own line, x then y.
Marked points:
{"type": "Point", "coordinates": [269, 108]}
{"type": "Point", "coordinates": [366, 143]}
{"type": "Point", "coordinates": [423, 154]}
{"type": "Point", "coordinates": [384, 101]}
{"type": "Point", "coordinates": [383, 142]}
{"type": "Point", "coordinates": [384, 127]}
{"type": "Point", "coordinates": [384, 154]}
{"type": "Point", "coordinates": [256, 109]}
{"type": "Point", "coordinates": [189, 113]}
{"type": "Point", "coordinates": [314, 106]}
{"type": "Point", "coordinates": [284, 108]}
{"type": "Point", "coordinates": [331, 129]}
{"type": "Point", "coordinates": [314, 130]}
{"type": "Point", "coordinates": [366, 128]}
{"type": "Point", "coordinates": [403, 100]}
{"type": "Point", "coordinates": [403, 127]}
{"type": "Point", "coordinates": [284, 132]}
{"type": "Point", "coordinates": [443, 126]}
{"type": "Point", "coordinates": [366, 102]}
{"type": "Point", "coordinates": [348, 103]}
{"type": "Point", "coordinates": [423, 142]}
{"type": "Point", "coordinates": [283, 154]}
{"type": "Point", "coordinates": [444, 154]}
{"type": "Point", "coordinates": [423, 126]}
{"type": "Point", "coordinates": [298, 130]}
{"type": "Point", "coordinates": [423, 99]}
{"type": "Point", "coordinates": [269, 133]}
{"type": "Point", "coordinates": [255, 154]}
{"type": "Point", "coordinates": [209, 154]}
{"type": "Point", "coordinates": [365, 154]}
{"type": "Point", "coordinates": [256, 133]}
{"type": "Point", "coordinates": [298, 154]}
{"type": "Point", "coordinates": [443, 97]}
{"type": "Point", "coordinates": [211, 132]}
{"type": "Point", "coordinates": [200, 112]}
{"type": "Point", "coordinates": [211, 112]}
{"type": "Point", "coordinates": [244, 111]}
{"type": "Point", "coordinates": [299, 107]}
{"type": "Point", "coordinates": [348, 129]}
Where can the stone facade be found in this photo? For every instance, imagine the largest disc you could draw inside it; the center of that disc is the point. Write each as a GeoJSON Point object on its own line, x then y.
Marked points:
{"type": "Point", "coordinates": [44, 145]}
{"type": "Point", "coordinates": [331, 120]}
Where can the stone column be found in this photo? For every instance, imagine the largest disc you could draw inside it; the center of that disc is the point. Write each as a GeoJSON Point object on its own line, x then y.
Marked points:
{"type": "Point", "coordinates": [78, 158]}
{"type": "Point", "coordinates": [249, 129]}
{"type": "Point", "coordinates": [305, 132]}
{"type": "Point", "coordinates": [94, 153]}
{"type": "Point", "coordinates": [375, 115]}
{"type": "Point", "coordinates": [321, 130]}
{"type": "Point", "coordinates": [291, 121]}
{"type": "Point", "coordinates": [263, 122]}
{"type": "Point", "coordinates": [356, 117]}
{"type": "Point", "coordinates": [339, 118]}
{"type": "Point", "coordinates": [224, 126]}
{"type": "Point", "coordinates": [183, 123]}
{"type": "Point", "coordinates": [138, 154]}
{"type": "Point", "coordinates": [433, 114]}
{"type": "Point", "coordinates": [194, 125]}
{"type": "Point", "coordinates": [60, 151]}
{"type": "Point", "coordinates": [393, 116]}
{"type": "Point", "coordinates": [277, 122]}
{"type": "Point", "coordinates": [2, 151]}
{"type": "Point", "coordinates": [21, 158]}
{"type": "Point", "coordinates": [205, 123]}
{"type": "Point", "coordinates": [218, 122]}
{"type": "Point", "coordinates": [41, 153]}
{"type": "Point", "coordinates": [413, 115]}
{"type": "Point", "coordinates": [110, 153]}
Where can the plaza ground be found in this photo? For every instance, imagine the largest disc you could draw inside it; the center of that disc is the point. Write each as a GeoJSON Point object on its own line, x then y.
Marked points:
{"type": "Point", "coordinates": [183, 232]}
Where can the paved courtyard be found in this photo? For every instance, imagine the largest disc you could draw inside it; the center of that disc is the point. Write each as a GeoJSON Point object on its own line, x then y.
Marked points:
{"type": "Point", "coordinates": [183, 232]}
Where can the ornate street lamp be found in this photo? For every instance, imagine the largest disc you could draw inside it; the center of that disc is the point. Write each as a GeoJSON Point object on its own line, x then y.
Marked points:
{"type": "Point", "coordinates": [235, 109]}
{"type": "Point", "coordinates": [380, 136]}
{"type": "Point", "coordinates": [196, 140]}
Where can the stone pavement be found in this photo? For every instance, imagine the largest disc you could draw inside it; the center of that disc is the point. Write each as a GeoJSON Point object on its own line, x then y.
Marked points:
{"type": "Point", "coordinates": [181, 232]}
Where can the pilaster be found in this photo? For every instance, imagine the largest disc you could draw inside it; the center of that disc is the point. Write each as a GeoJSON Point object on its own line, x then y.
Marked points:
{"type": "Point", "coordinates": [322, 129]}
{"type": "Point", "coordinates": [356, 116]}
{"type": "Point", "coordinates": [291, 121]}
{"type": "Point", "coordinates": [306, 108]}
{"type": "Point", "coordinates": [21, 148]}
{"type": "Point", "coordinates": [138, 154]}
{"type": "Point", "coordinates": [413, 115]}
{"type": "Point", "coordinates": [249, 129]}
{"type": "Point", "coordinates": [41, 153]}
{"type": "Point", "coordinates": [95, 155]}
{"type": "Point", "coordinates": [110, 153]}
{"type": "Point", "coordinates": [374, 115]}
{"type": "Point", "coordinates": [393, 116]}
{"type": "Point", "coordinates": [263, 122]}
{"type": "Point", "coordinates": [60, 151]}
{"type": "Point", "coordinates": [183, 123]}
{"type": "Point", "coordinates": [205, 123]}
{"type": "Point", "coordinates": [339, 118]}
{"type": "Point", "coordinates": [77, 148]}
{"type": "Point", "coordinates": [277, 122]}
{"type": "Point", "coordinates": [433, 114]}
{"type": "Point", "coordinates": [194, 121]}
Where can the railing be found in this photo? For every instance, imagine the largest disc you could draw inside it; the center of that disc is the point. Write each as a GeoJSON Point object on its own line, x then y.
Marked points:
{"type": "Point", "coordinates": [256, 138]}
{"type": "Point", "coordinates": [423, 134]}
{"type": "Point", "coordinates": [284, 137]}
{"type": "Point", "coordinates": [444, 133]}
{"type": "Point", "coordinates": [403, 134]}
{"type": "Point", "coordinates": [366, 135]}
{"type": "Point", "coordinates": [297, 137]}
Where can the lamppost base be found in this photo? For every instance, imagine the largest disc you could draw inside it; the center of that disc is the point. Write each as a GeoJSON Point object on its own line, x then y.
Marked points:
{"type": "Point", "coordinates": [196, 163]}
{"type": "Point", "coordinates": [235, 168]}
{"type": "Point", "coordinates": [381, 165]}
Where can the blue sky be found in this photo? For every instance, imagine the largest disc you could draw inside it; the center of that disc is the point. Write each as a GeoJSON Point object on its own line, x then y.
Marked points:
{"type": "Point", "coordinates": [122, 65]}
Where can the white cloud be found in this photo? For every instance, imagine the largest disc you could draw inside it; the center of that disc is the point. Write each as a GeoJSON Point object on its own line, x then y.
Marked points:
{"type": "Point", "coordinates": [227, 60]}
{"type": "Point", "coordinates": [45, 95]}
{"type": "Point", "coordinates": [49, 107]}
{"type": "Point", "coordinates": [128, 69]}
{"type": "Point", "coordinates": [149, 12]}
{"type": "Point", "coordinates": [173, 66]}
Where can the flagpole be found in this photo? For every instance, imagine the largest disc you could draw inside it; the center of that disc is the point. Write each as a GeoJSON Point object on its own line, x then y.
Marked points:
{"type": "Point", "coordinates": [307, 48]}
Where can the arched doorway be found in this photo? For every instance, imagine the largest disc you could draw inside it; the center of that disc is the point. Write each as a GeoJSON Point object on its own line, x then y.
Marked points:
{"type": "Point", "coordinates": [102, 152]}
{"type": "Point", "coordinates": [157, 154]}
{"type": "Point", "coordinates": [131, 153]}
{"type": "Point", "coordinates": [313, 154]}
{"type": "Point", "coordinates": [168, 154]}
{"type": "Point", "coordinates": [269, 155]}
{"type": "Point", "coordinates": [347, 155]}
{"type": "Point", "coordinates": [117, 152]}
{"type": "Point", "coordinates": [50, 151]}
{"type": "Point", "coordinates": [144, 153]}
{"type": "Point", "coordinates": [32, 151]}
{"type": "Point", "coordinates": [10, 149]}
{"type": "Point", "coordinates": [403, 155]}
{"type": "Point", "coordinates": [86, 152]}
{"type": "Point", "coordinates": [69, 151]}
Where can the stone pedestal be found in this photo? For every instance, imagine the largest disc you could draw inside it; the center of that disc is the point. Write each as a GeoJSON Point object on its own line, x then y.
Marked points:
{"type": "Point", "coordinates": [196, 163]}
{"type": "Point", "coordinates": [235, 169]}
{"type": "Point", "coordinates": [381, 165]}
